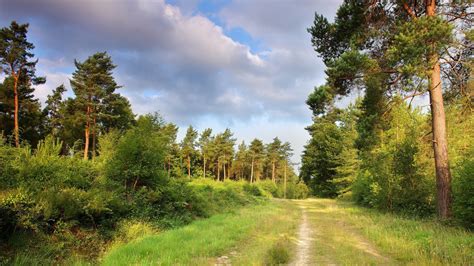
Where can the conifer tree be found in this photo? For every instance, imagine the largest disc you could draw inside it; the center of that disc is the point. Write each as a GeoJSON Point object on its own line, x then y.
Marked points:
{"type": "Point", "coordinates": [188, 147]}
{"type": "Point", "coordinates": [53, 111]}
{"type": "Point", "coordinates": [205, 141]}
{"type": "Point", "coordinates": [16, 62]}
{"type": "Point", "coordinates": [92, 82]}
{"type": "Point", "coordinates": [256, 153]}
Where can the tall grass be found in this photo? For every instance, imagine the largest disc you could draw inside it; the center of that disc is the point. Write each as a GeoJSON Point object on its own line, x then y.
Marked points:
{"type": "Point", "coordinates": [348, 234]}
{"type": "Point", "coordinates": [249, 233]}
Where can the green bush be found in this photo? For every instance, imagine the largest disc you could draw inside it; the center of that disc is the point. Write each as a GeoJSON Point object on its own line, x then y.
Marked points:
{"type": "Point", "coordinates": [270, 187]}
{"type": "Point", "coordinates": [138, 157]}
{"type": "Point", "coordinates": [463, 192]}
{"type": "Point", "coordinates": [298, 191]}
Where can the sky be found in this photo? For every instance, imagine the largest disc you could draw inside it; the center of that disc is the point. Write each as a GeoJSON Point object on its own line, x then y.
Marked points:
{"type": "Point", "coordinates": [247, 65]}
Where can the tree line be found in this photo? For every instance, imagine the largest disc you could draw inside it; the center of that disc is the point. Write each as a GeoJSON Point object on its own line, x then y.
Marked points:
{"type": "Point", "coordinates": [77, 173]}
{"type": "Point", "coordinates": [97, 109]}
{"type": "Point", "coordinates": [379, 147]}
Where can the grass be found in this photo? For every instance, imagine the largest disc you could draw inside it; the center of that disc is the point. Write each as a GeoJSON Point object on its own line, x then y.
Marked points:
{"type": "Point", "coordinates": [347, 234]}
{"type": "Point", "coordinates": [245, 236]}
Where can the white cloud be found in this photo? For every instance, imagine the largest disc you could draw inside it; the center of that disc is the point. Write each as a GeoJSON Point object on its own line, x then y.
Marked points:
{"type": "Point", "coordinates": [173, 60]}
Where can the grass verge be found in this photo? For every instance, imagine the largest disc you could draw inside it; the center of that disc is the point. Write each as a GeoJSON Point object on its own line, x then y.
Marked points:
{"type": "Point", "coordinates": [244, 236]}
{"type": "Point", "coordinates": [348, 234]}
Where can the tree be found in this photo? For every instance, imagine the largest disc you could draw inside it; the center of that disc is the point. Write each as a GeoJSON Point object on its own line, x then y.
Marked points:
{"type": "Point", "coordinates": [15, 56]}
{"type": "Point", "coordinates": [92, 82]}
{"type": "Point", "coordinates": [273, 155]}
{"type": "Point", "coordinates": [139, 155]}
{"type": "Point", "coordinates": [285, 153]}
{"type": "Point", "coordinates": [188, 147]}
{"type": "Point", "coordinates": [172, 160]}
{"type": "Point", "coordinates": [256, 152]}
{"type": "Point", "coordinates": [205, 141]}
{"type": "Point", "coordinates": [399, 45]}
{"type": "Point", "coordinates": [53, 111]}
{"type": "Point", "coordinates": [115, 113]}
{"type": "Point", "coordinates": [319, 160]}
{"type": "Point", "coordinates": [240, 162]}
{"type": "Point", "coordinates": [31, 126]}
{"type": "Point", "coordinates": [223, 149]}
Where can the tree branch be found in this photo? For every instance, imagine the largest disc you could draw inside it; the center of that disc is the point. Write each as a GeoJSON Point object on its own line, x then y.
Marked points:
{"type": "Point", "coordinates": [409, 10]}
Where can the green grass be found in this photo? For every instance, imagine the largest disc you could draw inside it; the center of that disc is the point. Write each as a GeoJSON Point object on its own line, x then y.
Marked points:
{"type": "Point", "coordinates": [245, 236]}
{"type": "Point", "coordinates": [348, 234]}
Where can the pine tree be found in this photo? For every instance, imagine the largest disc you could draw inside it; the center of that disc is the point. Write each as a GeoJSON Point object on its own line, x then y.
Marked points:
{"type": "Point", "coordinates": [240, 162]}
{"type": "Point", "coordinates": [285, 153]}
{"type": "Point", "coordinates": [15, 62]}
{"type": "Point", "coordinates": [256, 152]}
{"type": "Point", "coordinates": [53, 111]}
{"type": "Point", "coordinates": [205, 141]}
{"type": "Point", "coordinates": [188, 147]}
{"type": "Point", "coordinates": [273, 155]}
{"type": "Point", "coordinates": [92, 82]}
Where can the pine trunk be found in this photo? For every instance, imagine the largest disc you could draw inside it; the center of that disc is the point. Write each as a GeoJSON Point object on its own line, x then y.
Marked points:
{"type": "Point", "coordinates": [438, 123]}
{"type": "Point", "coordinates": [218, 170]}
{"type": "Point", "coordinates": [87, 135]}
{"type": "Point", "coordinates": [204, 166]}
{"type": "Point", "coordinates": [94, 138]}
{"type": "Point", "coordinates": [273, 171]}
{"type": "Point", "coordinates": [284, 184]}
{"type": "Point", "coordinates": [16, 130]}
{"type": "Point", "coordinates": [251, 171]}
{"type": "Point", "coordinates": [189, 166]}
{"type": "Point", "coordinates": [225, 173]}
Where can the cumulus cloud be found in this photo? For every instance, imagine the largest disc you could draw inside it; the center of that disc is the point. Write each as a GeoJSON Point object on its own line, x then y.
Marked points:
{"type": "Point", "coordinates": [173, 59]}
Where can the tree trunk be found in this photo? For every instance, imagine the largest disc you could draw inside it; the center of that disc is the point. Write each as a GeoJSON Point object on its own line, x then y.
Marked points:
{"type": "Point", "coordinates": [86, 135]}
{"type": "Point", "coordinates": [224, 168]}
{"type": "Point", "coordinates": [16, 130]}
{"type": "Point", "coordinates": [273, 171]}
{"type": "Point", "coordinates": [225, 176]}
{"type": "Point", "coordinates": [218, 170]}
{"type": "Point", "coordinates": [204, 166]}
{"type": "Point", "coordinates": [189, 166]}
{"type": "Point", "coordinates": [251, 171]}
{"type": "Point", "coordinates": [438, 123]}
{"type": "Point", "coordinates": [284, 183]}
{"type": "Point", "coordinates": [93, 138]}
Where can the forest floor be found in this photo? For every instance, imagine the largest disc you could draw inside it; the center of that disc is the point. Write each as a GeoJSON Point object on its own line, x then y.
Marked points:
{"type": "Point", "coordinates": [302, 232]}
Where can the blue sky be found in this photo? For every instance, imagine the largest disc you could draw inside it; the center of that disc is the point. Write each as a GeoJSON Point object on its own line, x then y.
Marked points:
{"type": "Point", "coordinates": [243, 64]}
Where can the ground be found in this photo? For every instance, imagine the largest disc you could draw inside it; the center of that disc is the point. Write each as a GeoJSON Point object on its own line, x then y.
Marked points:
{"type": "Point", "coordinates": [302, 232]}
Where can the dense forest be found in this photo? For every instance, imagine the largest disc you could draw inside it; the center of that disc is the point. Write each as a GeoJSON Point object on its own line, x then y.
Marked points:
{"type": "Point", "coordinates": [384, 149]}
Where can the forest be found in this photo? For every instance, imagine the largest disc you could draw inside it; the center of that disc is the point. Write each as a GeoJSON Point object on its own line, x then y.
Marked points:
{"type": "Point", "coordinates": [384, 149]}
{"type": "Point", "coordinates": [387, 178]}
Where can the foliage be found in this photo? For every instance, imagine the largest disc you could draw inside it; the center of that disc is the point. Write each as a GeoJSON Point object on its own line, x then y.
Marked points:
{"type": "Point", "coordinates": [463, 191]}
{"type": "Point", "coordinates": [138, 157]}
{"type": "Point", "coordinates": [393, 176]}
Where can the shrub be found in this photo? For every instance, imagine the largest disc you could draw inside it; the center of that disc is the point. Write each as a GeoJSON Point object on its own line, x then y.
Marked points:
{"type": "Point", "coordinates": [270, 187]}
{"type": "Point", "coordinates": [138, 156]}
{"type": "Point", "coordinates": [301, 191]}
{"type": "Point", "coordinates": [463, 192]}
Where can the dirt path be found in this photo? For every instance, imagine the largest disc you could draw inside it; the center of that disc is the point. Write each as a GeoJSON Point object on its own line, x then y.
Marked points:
{"type": "Point", "coordinates": [305, 239]}
{"type": "Point", "coordinates": [325, 237]}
